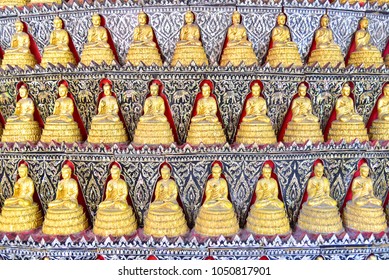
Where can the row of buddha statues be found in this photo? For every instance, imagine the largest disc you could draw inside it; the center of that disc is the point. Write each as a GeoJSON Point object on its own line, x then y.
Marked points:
{"type": "Point", "coordinates": [156, 126]}
{"type": "Point", "coordinates": [319, 212]}
{"type": "Point", "coordinates": [238, 50]}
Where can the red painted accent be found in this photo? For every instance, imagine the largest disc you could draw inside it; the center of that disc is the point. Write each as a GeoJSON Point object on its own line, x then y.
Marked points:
{"type": "Point", "coordinates": [100, 258]}
{"type": "Point", "coordinates": [209, 258]}
{"type": "Point", "coordinates": [305, 196]}
{"type": "Point", "coordinates": [33, 46]}
{"type": "Point", "coordinates": [353, 46]}
{"type": "Point", "coordinates": [152, 258]}
{"type": "Point", "coordinates": [263, 258]}
{"type": "Point", "coordinates": [386, 51]}
{"type": "Point", "coordinates": [374, 113]}
{"type": "Point", "coordinates": [110, 40]}
{"type": "Point", "coordinates": [2, 120]}
{"type": "Point", "coordinates": [37, 116]}
{"type": "Point", "coordinates": [1, 53]}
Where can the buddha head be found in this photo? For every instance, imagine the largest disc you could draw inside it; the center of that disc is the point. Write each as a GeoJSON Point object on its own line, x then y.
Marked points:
{"type": "Point", "coordinates": [256, 90]}
{"type": "Point", "coordinates": [19, 26]}
{"type": "Point", "coordinates": [142, 18]}
{"type": "Point", "coordinates": [189, 17]}
{"type": "Point", "coordinates": [236, 17]}
{"type": "Point", "coordinates": [66, 172]}
{"type": "Point", "coordinates": [216, 171]}
{"type": "Point", "coordinates": [364, 170]}
{"type": "Point", "coordinates": [62, 90]}
{"type": "Point", "coordinates": [115, 172]}
{"type": "Point", "coordinates": [324, 21]}
{"type": "Point", "coordinates": [154, 88]}
{"type": "Point", "coordinates": [165, 172]}
{"type": "Point", "coordinates": [386, 89]}
{"type": "Point", "coordinates": [281, 19]}
{"type": "Point", "coordinates": [23, 170]}
{"type": "Point", "coordinates": [364, 23]}
{"type": "Point", "coordinates": [57, 23]}
{"type": "Point", "coordinates": [96, 20]}
{"type": "Point", "coordinates": [302, 90]}
{"type": "Point", "coordinates": [319, 170]}
{"type": "Point", "coordinates": [206, 90]}
{"type": "Point", "coordinates": [23, 92]}
{"type": "Point", "coordinates": [266, 171]}
{"type": "Point", "coordinates": [107, 89]}
{"type": "Point", "coordinates": [346, 89]}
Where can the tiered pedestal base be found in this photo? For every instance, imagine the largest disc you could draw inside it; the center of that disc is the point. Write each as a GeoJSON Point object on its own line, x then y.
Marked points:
{"type": "Point", "coordinates": [107, 133]}
{"type": "Point", "coordinates": [64, 221]}
{"type": "Point", "coordinates": [47, 1]}
{"type": "Point", "coordinates": [206, 133]}
{"type": "Point", "coordinates": [238, 55]}
{"type": "Point", "coordinates": [61, 132]}
{"type": "Point", "coordinates": [267, 221]}
{"type": "Point", "coordinates": [165, 223]}
{"type": "Point", "coordinates": [215, 223]}
{"type": "Point", "coordinates": [348, 131]}
{"type": "Point", "coordinates": [387, 60]}
{"type": "Point", "coordinates": [12, 3]}
{"type": "Point", "coordinates": [115, 222]}
{"type": "Point", "coordinates": [147, 55]}
{"type": "Point", "coordinates": [97, 55]}
{"type": "Point", "coordinates": [370, 218]}
{"type": "Point", "coordinates": [20, 60]}
{"type": "Point", "coordinates": [379, 130]}
{"type": "Point", "coordinates": [15, 218]}
{"type": "Point", "coordinates": [320, 219]}
{"type": "Point", "coordinates": [367, 58]}
{"type": "Point", "coordinates": [57, 57]}
{"type": "Point", "coordinates": [323, 57]}
{"type": "Point", "coordinates": [153, 133]}
{"type": "Point", "coordinates": [301, 132]}
{"type": "Point", "coordinates": [21, 132]}
{"type": "Point", "coordinates": [256, 132]}
{"type": "Point", "coordinates": [285, 55]}
{"type": "Point", "coordinates": [186, 54]}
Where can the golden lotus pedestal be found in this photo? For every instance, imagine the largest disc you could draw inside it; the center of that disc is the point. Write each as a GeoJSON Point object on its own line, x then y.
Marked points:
{"type": "Point", "coordinates": [58, 57]}
{"type": "Point", "coordinates": [323, 57]}
{"type": "Point", "coordinates": [320, 219]}
{"type": "Point", "coordinates": [115, 222]}
{"type": "Point", "coordinates": [147, 55]}
{"type": "Point", "coordinates": [21, 132]}
{"type": "Point", "coordinates": [285, 55]}
{"type": "Point", "coordinates": [215, 223]}
{"type": "Point", "coordinates": [165, 223]}
{"type": "Point", "coordinates": [64, 221]}
{"type": "Point", "coordinates": [387, 60]}
{"type": "Point", "coordinates": [18, 59]}
{"type": "Point", "coordinates": [206, 133]}
{"type": "Point", "coordinates": [301, 132]}
{"type": "Point", "coordinates": [369, 218]}
{"type": "Point", "coordinates": [98, 55]}
{"type": "Point", "coordinates": [15, 218]}
{"type": "Point", "coordinates": [150, 133]}
{"type": "Point", "coordinates": [238, 55]}
{"type": "Point", "coordinates": [60, 132]}
{"type": "Point", "coordinates": [259, 133]}
{"type": "Point", "coordinates": [46, 1]}
{"type": "Point", "coordinates": [348, 131]}
{"type": "Point", "coordinates": [107, 133]}
{"type": "Point", "coordinates": [267, 221]}
{"type": "Point", "coordinates": [13, 3]}
{"type": "Point", "coordinates": [367, 58]}
{"type": "Point", "coordinates": [379, 130]}
{"type": "Point", "coordinates": [186, 54]}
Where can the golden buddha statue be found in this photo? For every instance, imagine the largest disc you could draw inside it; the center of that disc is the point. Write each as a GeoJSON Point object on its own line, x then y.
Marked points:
{"type": "Point", "coordinates": [189, 48]}
{"type": "Point", "coordinates": [304, 125]}
{"type": "Point", "coordinates": [326, 50]}
{"type": "Point", "coordinates": [143, 48]}
{"type": "Point", "coordinates": [364, 212]}
{"type": "Point", "coordinates": [13, 3]}
{"type": "Point", "coordinates": [216, 216]}
{"type": "Point", "coordinates": [387, 60]}
{"type": "Point", "coordinates": [282, 49]}
{"type": "Point", "coordinates": [365, 53]}
{"type": "Point", "coordinates": [20, 212]}
{"type": "Point", "coordinates": [21, 127]}
{"type": "Point", "coordinates": [379, 129]}
{"type": "Point", "coordinates": [97, 48]}
{"type": "Point", "coordinates": [19, 53]}
{"type": "Point", "coordinates": [205, 126]}
{"type": "Point", "coordinates": [64, 215]}
{"type": "Point", "coordinates": [165, 216]}
{"type": "Point", "coordinates": [107, 126]}
{"type": "Point", "coordinates": [319, 214]}
{"type": "Point", "coordinates": [58, 51]}
{"type": "Point", "coordinates": [61, 126]}
{"type": "Point", "coordinates": [114, 216]}
{"type": "Point", "coordinates": [348, 124]}
{"type": "Point", "coordinates": [238, 48]}
{"type": "Point", "coordinates": [256, 126]}
{"type": "Point", "coordinates": [267, 215]}
{"type": "Point", "coordinates": [153, 127]}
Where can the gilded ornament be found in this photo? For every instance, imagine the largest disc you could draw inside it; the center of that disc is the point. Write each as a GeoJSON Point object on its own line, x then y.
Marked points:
{"type": "Point", "coordinates": [380, 127]}
{"type": "Point", "coordinates": [13, 3]}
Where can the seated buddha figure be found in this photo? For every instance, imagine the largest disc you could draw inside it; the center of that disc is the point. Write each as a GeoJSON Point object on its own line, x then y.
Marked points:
{"type": "Point", "coordinates": [380, 127]}
{"type": "Point", "coordinates": [348, 124]}
{"type": "Point", "coordinates": [326, 50]}
{"type": "Point", "coordinates": [256, 126]}
{"type": "Point", "coordinates": [282, 49]}
{"type": "Point", "coordinates": [19, 53]}
{"type": "Point", "coordinates": [165, 216]}
{"type": "Point", "coordinates": [267, 215]}
{"type": "Point", "coordinates": [58, 51]}
{"type": "Point", "coordinates": [304, 125]}
{"type": "Point", "coordinates": [205, 126]}
{"type": "Point", "coordinates": [319, 214]}
{"type": "Point", "coordinates": [189, 48]}
{"type": "Point", "coordinates": [114, 216]}
{"type": "Point", "coordinates": [60, 126]}
{"type": "Point", "coordinates": [97, 48]}
{"type": "Point", "coordinates": [21, 126]}
{"type": "Point", "coordinates": [20, 212]}
{"type": "Point", "coordinates": [143, 48]}
{"type": "Point", "coordinates": [364, 212]}
{"type": "Point", "coordinates": [238, 48]}
{"type": "Point", "coordinates": [64, 215]}
{"type": "Point", "coordinates": [153, 127]}
{"type": "Point", "coordinates": [365, 53]}
{"type": "Point", "coordinates": [107, 126]}
{"type": "Point", "coordinates": [216, 216]}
